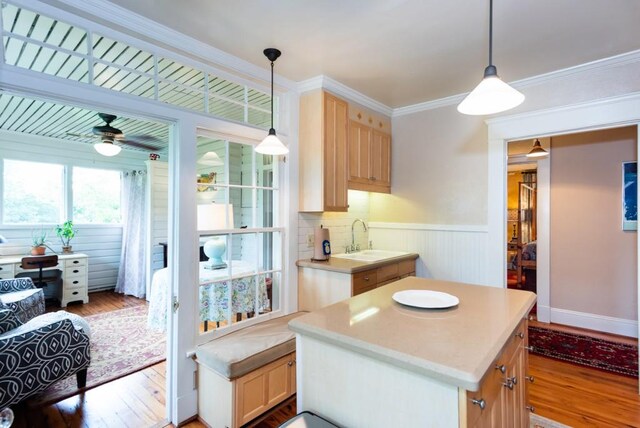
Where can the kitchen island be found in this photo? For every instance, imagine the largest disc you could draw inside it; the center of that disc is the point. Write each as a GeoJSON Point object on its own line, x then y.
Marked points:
{"type": "Point", "coordinates": [370, 362]}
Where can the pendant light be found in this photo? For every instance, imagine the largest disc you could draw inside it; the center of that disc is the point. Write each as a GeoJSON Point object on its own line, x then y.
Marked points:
{"type": "Point", "coordinates": [106, 147]}
{"type": "Point", "coordinates": [492, 95]}
{"type": "Point", "coordinates": [272, 145]}
{"type": "Point", "coordinates": [537, 151]}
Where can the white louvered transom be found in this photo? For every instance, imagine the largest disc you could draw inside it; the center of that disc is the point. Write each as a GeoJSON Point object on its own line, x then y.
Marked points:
{"type": "Point", "coordinates": [39, 43]}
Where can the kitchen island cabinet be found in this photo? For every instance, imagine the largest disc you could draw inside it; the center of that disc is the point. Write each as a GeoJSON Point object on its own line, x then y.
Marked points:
{"type": "Point", "coordinates": [371, 362]}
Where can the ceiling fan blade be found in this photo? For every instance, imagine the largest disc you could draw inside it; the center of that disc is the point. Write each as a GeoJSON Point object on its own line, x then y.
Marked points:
{"type": "Point", "coordinates": [73, 134]}
{"type": "Point", "coordinates": [138, 145]}
{"type": "Point", "coordinates": [144, 138]}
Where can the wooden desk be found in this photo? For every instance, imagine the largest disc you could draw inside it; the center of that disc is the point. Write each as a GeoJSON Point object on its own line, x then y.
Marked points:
{"type": "Point", "coordinates": [75, 275]}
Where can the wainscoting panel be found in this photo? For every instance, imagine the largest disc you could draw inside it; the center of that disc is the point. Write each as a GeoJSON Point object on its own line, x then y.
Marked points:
{"type": "Point", "coordinates": [448, 252]}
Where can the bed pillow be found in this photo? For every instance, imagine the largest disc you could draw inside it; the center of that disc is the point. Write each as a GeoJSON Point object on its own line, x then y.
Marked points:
{"type": "Point", "coordinates": [8, 321]}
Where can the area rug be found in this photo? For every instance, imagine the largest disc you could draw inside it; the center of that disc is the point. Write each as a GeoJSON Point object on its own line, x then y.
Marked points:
{"type": "Point", "coordinates": [121, 344]}
{"type": "Point", "coordinates": [537, 421]}
{"type": "Point", "coordinates": [584, 350]}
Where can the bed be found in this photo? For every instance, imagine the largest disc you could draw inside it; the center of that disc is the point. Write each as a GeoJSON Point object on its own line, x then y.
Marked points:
{"type": "Point", "coordinates": [214, 288]}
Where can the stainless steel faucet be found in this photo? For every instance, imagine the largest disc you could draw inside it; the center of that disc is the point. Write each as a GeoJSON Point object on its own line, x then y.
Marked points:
{"type": "Point", "coordinates": [355, 247]}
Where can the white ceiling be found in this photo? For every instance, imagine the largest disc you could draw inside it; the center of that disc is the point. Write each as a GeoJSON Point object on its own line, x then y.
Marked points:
{"type": "Point", "coordinates": [402, 52]}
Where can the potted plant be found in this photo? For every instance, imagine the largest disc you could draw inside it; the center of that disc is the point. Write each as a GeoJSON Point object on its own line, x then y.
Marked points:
{"type": "Point", "coordinates": [66, 232]}
{"type": "Point", "coordinates": [38, 242]}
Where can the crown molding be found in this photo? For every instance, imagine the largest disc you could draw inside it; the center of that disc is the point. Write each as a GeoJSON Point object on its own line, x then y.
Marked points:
{"type": "Point", "coordinates": [204, 52]}
{"type": "Point", "coordinates": [600, 64]}
{"type": "Point", "coordinates": [325, 82]}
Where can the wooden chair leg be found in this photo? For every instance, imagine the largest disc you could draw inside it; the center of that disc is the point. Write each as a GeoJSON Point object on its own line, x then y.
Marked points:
{"type": "Point", "coordinates": [81, 378]}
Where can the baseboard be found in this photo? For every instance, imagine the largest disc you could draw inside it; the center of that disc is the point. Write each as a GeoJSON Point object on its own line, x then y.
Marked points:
{"type": "Point", "coordinates": [543, 313]}
{"type": "Point", "coordinates": [595, 322]}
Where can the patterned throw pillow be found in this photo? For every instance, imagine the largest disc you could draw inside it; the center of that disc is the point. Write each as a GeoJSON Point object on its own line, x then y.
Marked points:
{"type": "Point", "coordinates": [8, 321]}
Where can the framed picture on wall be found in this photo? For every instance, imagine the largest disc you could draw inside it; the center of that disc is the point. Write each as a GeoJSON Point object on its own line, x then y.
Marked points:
{"type": "Point", "coordinates": [630, 196]}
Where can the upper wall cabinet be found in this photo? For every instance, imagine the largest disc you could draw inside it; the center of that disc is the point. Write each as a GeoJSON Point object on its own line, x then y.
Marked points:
{"type": "Point", "coordinates": [369, 158]}
{"type": "Point", "coordinates": [323, 152]}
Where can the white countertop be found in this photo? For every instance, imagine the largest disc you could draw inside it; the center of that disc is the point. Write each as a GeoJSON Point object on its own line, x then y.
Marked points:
{"type": "Point", "coordinates": [455, 345]}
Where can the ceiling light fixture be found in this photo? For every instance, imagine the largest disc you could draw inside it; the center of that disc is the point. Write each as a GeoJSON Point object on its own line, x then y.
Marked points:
{"type": "Point", "coordinates": [492, 95]}
{"type": "Point", "coordinates": [272, 145]}
{"type": "Point", "coordinates": [210, 159]}
{"type": "Point", "coordinates": [106, 147]}
{"type": "Point", "coordinates": [537, 151]}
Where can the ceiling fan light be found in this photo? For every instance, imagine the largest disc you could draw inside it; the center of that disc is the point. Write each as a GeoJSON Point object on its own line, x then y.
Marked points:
{"type": "Point", "coordinates": [272, 145]}
{"type": "Point", "coordinates": [107, 148]}
{"type": "Point", "coordinates": [492, 95]}
{"type": "Point", "coordinates": [537, 151]}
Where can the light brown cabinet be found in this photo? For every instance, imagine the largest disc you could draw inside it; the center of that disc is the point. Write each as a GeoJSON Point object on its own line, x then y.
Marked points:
{"type": "Point", "coordinates": [318, 287]}
{"type": "Point", "coordinates": [261, 389]}
{"type": "Point", "coordinates": [501, 400]}
{"type": "Point", "coordinates": [323, 152]}
{"type": "Point", "coordinates": [369, 158]}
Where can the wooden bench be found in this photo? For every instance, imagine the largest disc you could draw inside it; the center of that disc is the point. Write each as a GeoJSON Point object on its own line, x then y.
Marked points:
{"type": "Point", "coordinates": [246, 373]}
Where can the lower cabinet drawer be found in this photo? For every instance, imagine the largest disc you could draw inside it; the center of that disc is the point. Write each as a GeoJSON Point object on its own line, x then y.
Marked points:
{"type": "Point", "coordinates": [388, 272]}
{"type": "Point", "coordinates": [6, 271]}
{"type": "Point", "coordinates": [74, 282]}
{"type": "Point", "coordinates": [364, 281]}
{"type": "Point", "coordinates": [80, 261]}
{"type": "Point", "coordinates": [75, 271]}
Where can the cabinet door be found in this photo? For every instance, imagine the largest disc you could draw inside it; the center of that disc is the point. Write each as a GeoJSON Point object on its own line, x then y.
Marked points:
{"type": "Point", "coordinates": [335, 153]}
{"type": "Point", "coordinates": [381, 159]}
{"type": "Point", "coordinates": [359, 150]}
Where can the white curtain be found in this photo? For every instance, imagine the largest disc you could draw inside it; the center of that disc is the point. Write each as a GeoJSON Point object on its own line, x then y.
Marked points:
{"type": "Point", "coordinates": [132, 276]}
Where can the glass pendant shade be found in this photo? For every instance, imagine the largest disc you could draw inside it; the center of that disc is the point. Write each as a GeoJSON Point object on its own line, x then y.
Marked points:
{"type": "Point", "coordinates": [210, 159]}
{"type": "Point", "coordinates": [272, 145]}
{"type": "Point", "coordinates": [107, 148]}
{"type": "Point", "coordinates": [491, 96]}
{"type": "Point", "coordinates": [537, 151]}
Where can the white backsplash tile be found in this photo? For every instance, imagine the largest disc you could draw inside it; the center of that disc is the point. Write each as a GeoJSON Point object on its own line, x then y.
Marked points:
{"type": "Point", "coordinates": [339, 225]}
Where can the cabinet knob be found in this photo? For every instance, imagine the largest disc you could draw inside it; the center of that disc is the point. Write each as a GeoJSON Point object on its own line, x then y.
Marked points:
{"type": "Point", "coordinates": [529, 348]}
{"type": "Point", "coordinates": [513, 380]}
{"type": "Point", "coordinates": [501, 367]}
{"type": "Point", "coordinates": [366, 278]}
{"type": "Point", "coordinates": [520, 335]}
{"type": "Point", "coordinates": [531, 409]}
{"type": "Point", "coordinates": [530, 378]}
{"type": "Point", "coordinates": [508, 384]}
{"type": "Point", "coordinates": [290, 363]}
{"type": "Point", "coordinates": [480, 403]}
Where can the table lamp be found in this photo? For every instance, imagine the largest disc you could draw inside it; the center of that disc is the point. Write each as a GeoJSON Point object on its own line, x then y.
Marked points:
{"type": "Point", "coordinates": [214, 217]}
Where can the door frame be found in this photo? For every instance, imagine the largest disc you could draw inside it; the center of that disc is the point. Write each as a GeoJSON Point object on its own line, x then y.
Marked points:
{"type": "Point", "coordinates": [604, 113]}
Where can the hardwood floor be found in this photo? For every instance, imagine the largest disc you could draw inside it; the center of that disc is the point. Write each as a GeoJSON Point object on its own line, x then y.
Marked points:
{"type": "Point", "coordinates": [570, 394]}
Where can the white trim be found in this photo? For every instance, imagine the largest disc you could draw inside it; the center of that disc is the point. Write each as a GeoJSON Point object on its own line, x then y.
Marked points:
{"type": "Point", "coordinates": [600, 64]}
{"type": "Point", "coordinates": [325, 82]}
{"type": "Point", "coordinates": [478, 228]}
{"type": "Point", "coordinates": [544, 235]}
{"type": "Point", "coordinates": [595, 322]}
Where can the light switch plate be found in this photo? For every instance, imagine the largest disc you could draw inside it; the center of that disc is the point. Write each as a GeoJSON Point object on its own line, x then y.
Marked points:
{"type": "Point", "coordinates": [310, 240]}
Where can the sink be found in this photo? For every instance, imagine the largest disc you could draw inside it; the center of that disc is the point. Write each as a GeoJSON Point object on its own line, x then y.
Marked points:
{"type": "Point", "coordinates": [370, 256]}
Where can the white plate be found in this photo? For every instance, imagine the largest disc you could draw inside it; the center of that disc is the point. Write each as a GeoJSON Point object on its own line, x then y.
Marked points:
{"type": "Point", "coordinates": [425, 299]}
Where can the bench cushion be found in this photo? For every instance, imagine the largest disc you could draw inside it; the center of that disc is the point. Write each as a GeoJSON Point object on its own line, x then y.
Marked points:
{"type": "Point", "coordinates": [245, 350]}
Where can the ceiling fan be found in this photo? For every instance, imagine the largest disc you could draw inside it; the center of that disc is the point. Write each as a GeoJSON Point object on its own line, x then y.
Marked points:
{"type": "Point", "coordinates": [112, 138]}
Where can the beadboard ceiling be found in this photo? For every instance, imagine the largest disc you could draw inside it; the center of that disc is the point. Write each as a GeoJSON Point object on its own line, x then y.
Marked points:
{"type": "Point", "coordinates": [402, 52]}
{"type": "Point", "coordinates": [48, 119]}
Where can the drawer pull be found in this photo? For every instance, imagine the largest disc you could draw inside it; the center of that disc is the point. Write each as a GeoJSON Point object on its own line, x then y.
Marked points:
{"type": "Point", "coordinates": [531, 409]}
{"type": "Point", "coordinates": [508, 384]}
{"type": "Point", "coordinates": [1, 268]}
{"type": "Point", "coordinates": [75, 262]}
{"type": "Point", "coordinates": [75, 292]}
{"type": "Point", "coordinates": [366, 278]}
{"type": "Point", "coordinates": [501, 367]}
{"type": "Point", "coordinates": [530, 378]}
{"type": "Point", "coordinates": [529, 348]}
{"type": "Point", "coordinates": [290, 363]}
{"type": "Point", "coordinates": [520, 335]}
{"type": "Point", "coordinates": [76, 271]}
{"type": "Point", "coordinates": [75, 282]}
{"type": "Point", "coordinates": [513, 380]}
{"type": "Point", "coordinates": [481, 403]}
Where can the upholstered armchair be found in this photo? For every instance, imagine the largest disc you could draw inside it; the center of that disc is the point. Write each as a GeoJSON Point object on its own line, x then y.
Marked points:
{"type": "Point", "coordinates": [40, 352]}
{"type": "Point", "coordinates": [22, 297]}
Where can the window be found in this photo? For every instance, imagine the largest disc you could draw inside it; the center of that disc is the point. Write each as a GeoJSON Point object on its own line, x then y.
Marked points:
{"type": "Point", "coordinates": [96, 196]}
{"type": "Point", "coordinates": [33, 192]}
{"type": "Point", "coordinates": [37, 193]}
{"type": "Point", "coordinates": [238, 215]}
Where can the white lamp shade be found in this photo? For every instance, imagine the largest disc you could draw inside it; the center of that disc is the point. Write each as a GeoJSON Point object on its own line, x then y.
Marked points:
{"type": "Point", "coordinates": [272, 146]}
{"type": "Point", "coordinates": [107, 148]}
{"type": "Point", "coordinates": [492, 95]}
{"type": "Point", "coordinates": [210, 159]}
{"type": "Point", "coordinates": [214, 216]}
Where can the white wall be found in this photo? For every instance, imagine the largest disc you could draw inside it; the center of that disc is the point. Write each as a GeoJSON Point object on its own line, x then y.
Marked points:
{"type": "Point", "coordinates": [103, 244]}
{"type": "Point", "coordinates": [439, 169]}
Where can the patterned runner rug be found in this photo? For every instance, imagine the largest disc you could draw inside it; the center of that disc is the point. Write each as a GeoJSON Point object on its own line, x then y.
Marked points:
{"type": "Point", "coordinates": [121, 344]}
{"type": "Point", "coordinates": [584, 350]}
{"type": "Point", "coordinates": [537, 421]}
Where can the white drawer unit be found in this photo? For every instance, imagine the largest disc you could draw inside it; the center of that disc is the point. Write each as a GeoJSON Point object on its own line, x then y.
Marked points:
{"type": "Point", "coordinates": [75, 280]}
{"type": "Point", "coordinates": [75, 275]}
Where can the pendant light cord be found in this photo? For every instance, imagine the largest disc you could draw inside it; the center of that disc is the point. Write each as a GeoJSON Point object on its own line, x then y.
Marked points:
{"type": "Point", "coordinates": [271, 94]}
{"type": "Point", "coordinates": [490, 32]}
